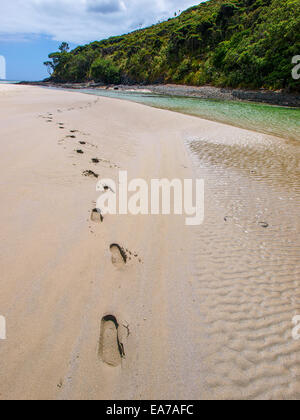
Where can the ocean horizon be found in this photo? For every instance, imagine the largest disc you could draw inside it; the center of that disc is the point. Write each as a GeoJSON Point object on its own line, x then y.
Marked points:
{"type": "Point", "coordinates": [9, 81]}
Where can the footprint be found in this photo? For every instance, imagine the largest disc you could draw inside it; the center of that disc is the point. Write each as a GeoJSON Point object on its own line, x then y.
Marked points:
{"type": "Point", "coordinates": [264, 225]}
{"type": "Point", "coordinates": [111, 350]}
{"type": "Point", "coordinates": [118, 255]}
{"type": "Point", "coordinates": [79, 151]}
{"type": "Point", "coordinates": [106, 188]}
{"type": "Point", "coordinates": [96, 216]}
{"type": "Point", "coordinates": [90, 174]}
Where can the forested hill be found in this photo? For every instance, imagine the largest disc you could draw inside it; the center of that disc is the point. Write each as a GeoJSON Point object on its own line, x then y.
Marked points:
{"type": "Point", "coordinates": [233, 43]}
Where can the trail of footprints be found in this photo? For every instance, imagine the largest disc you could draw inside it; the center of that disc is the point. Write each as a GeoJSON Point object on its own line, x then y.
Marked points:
{"type": "Point", "coordinates": [113, 335]}
{"type": "Point", "coordinates": [73, 134]}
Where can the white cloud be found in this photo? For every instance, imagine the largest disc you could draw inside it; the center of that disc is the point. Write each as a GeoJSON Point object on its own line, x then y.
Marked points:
{"type": "Point", "coordinates": [105, 6]}
{"type": "Point", "coordinates": [81, 21]}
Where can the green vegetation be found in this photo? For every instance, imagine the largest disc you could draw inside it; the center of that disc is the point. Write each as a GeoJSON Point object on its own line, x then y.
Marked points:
{"type": "Point", "coordinates": [105, 70]}
{"type": "Point", "coordinates": [234, 43]}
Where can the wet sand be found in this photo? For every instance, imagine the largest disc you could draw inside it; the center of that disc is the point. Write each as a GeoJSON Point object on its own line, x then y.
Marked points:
{"type": "Point", "coordinates": [144, 307]}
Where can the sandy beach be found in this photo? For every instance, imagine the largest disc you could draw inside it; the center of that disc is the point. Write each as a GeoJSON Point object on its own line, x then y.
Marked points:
{"type": "Point", "coordinates": [199, 312]}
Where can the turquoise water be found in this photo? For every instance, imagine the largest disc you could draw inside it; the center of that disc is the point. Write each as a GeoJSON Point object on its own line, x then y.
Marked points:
{"type": "Point", "coordinates": [8, 82]}
{"type": "Point", "coordinates": [279, 121]}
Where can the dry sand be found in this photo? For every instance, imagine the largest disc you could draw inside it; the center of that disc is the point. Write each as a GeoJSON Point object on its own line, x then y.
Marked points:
{"type": "Point", "coordinates": [196, 312]}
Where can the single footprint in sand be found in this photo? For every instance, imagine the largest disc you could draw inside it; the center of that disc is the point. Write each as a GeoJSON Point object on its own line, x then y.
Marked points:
{"type": "Point", "coordinates": [90, 173]}
{"type": "Point", "coordinates": [264, 224]}
{"type": "Point", "coordinates": [96, 216]}
{"type": "Point", "coordinates": [111, 350]}
{"type": "Point", "coordinates": [118, 255]}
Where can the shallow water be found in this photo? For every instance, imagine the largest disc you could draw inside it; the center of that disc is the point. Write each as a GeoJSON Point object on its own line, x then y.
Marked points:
{"type": "Point", "coordinates": [8, 82]}
{"type": "Point", "coordinates": [279, 121]}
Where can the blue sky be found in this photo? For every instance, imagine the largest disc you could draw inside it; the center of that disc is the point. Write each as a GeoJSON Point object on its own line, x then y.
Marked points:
{"type": "Point", "coordinates": [24, 58]}
{"type": "Point", "coordinates": [31, 29]}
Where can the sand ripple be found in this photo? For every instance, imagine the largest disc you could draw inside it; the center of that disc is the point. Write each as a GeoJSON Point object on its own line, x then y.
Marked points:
{"type": "Point", "coordinates": [247, 271]}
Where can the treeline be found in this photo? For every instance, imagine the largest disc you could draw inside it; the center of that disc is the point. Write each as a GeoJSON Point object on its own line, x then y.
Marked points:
{"type": "Point", "coordinates": [235, 43]}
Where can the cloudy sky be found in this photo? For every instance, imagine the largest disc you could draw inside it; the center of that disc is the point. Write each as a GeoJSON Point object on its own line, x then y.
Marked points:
{"type": "Point", "coordinates": [31, 29]}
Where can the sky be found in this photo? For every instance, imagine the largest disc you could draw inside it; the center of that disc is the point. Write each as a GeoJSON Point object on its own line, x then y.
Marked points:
{"type": "Point", "coordinates": [31, 29]}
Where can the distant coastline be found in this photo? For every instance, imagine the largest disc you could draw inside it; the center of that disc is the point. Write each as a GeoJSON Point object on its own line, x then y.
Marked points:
{"type": "Point", "coordinates": [9, 82]}
{"type": "Point", "coordinates": [279, 98]}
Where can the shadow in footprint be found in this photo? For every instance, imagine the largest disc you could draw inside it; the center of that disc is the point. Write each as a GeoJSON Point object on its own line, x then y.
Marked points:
{"type": "Point", "coordinates": [264, 225]}
{"type": "Point", "coordinates": [118, 255]}
{"type": "Point", "coordinates": [96, 216]}
{"type": "Point", "coordinates": [111, 350]}
{"type": "Point", "coordinates": [90, 173]}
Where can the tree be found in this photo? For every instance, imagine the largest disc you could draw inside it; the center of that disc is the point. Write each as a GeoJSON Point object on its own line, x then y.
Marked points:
{"type": "Point", "coordinates": [105, 71]}
{"type": "Point", "coordinates": [50, 67]}
{"type": "Point", "coordinates": [58, 67]}
{"type": "Point", "coordinates": [64, 47]}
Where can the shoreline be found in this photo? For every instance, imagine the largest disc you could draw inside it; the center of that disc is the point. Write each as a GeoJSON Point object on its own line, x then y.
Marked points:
{"type": "Point", "coordinates": [202, 92]}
